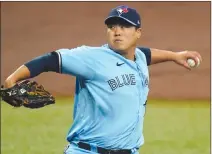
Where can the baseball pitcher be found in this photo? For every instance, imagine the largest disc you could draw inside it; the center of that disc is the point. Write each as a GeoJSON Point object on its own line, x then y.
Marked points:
{"type": "Point", "coordinates": [112, 85]}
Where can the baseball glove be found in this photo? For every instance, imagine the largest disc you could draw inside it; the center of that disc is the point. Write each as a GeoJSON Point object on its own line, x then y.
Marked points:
{"type": "Point", "coordinates": [28, 94]}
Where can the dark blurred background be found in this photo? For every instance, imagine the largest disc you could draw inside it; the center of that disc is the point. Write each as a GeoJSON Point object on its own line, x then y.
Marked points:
{"type": "Point", "coordinates": [30, 29]}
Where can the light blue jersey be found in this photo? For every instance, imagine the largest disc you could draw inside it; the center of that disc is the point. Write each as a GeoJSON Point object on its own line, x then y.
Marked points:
{"type": "Point", "coordinates": [110, 97]}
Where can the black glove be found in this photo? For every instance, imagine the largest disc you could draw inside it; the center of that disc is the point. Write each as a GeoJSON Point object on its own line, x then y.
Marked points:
{"type": "Point", "coordinates": [27, 93]}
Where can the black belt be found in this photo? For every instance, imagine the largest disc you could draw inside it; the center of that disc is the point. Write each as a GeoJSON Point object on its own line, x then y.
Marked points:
{"type": "Point", "coordinates": [103, 150]}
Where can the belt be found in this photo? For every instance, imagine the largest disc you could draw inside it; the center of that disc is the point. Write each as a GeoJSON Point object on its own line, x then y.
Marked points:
{"type": "Point", "coordinates": [103, 150]}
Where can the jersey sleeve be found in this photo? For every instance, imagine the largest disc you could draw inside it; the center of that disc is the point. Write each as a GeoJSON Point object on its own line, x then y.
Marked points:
{"type": "Point", "coordinates": [147, 53]}
{"type": "Point", "coordinates": [78, 62]}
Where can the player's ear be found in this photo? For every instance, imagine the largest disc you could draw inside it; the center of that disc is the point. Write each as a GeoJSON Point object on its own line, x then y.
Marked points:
{"type": "Point", "coordinates": [138, 32]}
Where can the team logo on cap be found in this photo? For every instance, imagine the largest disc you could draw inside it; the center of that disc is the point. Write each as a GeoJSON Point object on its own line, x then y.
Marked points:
{"type": "Point", "coordinates": [122, 10]}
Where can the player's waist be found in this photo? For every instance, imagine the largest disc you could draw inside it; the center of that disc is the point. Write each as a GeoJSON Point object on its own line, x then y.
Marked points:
{"type": "Point", "coordinates": [102, 150]}
{"type": "Point", "coordinates": [123, 138]}
{"type": "Point", "coordinates": [118, 142]}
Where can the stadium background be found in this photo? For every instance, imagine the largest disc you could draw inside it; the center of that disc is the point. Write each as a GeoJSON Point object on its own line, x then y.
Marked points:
{"type": "Point", "coordinates": [34, 28]}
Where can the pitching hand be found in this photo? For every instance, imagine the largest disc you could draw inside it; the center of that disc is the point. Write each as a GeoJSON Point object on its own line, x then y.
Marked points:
{"type": "Point", "coordinates": [181, 58]}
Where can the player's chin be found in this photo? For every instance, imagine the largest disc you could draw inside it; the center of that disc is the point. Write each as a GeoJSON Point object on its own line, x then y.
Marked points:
{"type": "Point", "coordinates": [119, 47]}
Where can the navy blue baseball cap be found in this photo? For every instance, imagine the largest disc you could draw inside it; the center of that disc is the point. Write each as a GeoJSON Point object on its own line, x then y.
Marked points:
{"type": "Point", "coordinates": [126, 13]}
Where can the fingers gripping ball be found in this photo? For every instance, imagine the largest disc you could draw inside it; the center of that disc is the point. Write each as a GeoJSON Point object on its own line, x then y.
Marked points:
{"type": "Point", "coordinates": [192, 63]}
{"type": "Point", "coordinates": [28, 94]}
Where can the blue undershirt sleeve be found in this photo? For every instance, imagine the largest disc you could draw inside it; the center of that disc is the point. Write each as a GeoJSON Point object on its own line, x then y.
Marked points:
{"type": "Point", "coordinates": [147, 53]}
{"type": "Point", "coordinates": [44, 63]}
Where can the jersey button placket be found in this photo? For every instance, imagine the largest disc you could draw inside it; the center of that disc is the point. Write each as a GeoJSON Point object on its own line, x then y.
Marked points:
{"type": "Point", "coordinates": [139, 88]}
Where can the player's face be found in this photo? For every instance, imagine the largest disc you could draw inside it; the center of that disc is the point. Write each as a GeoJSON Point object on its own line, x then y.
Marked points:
{"type": "Point", "coordinates": [122, 36]}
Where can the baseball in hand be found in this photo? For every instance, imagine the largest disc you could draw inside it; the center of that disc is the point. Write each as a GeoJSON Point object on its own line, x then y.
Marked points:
{"type": "Point", "coordinates": [192, 64]}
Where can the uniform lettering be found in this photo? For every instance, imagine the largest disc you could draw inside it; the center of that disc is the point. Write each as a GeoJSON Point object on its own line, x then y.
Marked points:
{"type": "Point", "coordinates": [113, 84]}
{"type": "Point", "coordinates": [118, 82]}
{"type": "Point", "coordinates": [132, 79]}
{"type": "Point", "coordinates": [126, 79]}
{"type": "Point", "coordinates": [123, 80]}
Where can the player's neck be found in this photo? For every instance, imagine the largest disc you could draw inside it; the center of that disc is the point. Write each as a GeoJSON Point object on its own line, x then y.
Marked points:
{"type": "Point", "coordinates": [129, 54]}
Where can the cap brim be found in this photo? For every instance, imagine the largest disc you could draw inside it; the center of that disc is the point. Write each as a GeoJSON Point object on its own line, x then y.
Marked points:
{"type": "Point", "coordinates": [120, 17]}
